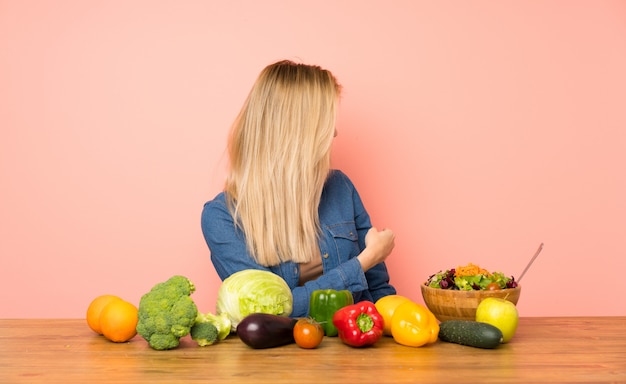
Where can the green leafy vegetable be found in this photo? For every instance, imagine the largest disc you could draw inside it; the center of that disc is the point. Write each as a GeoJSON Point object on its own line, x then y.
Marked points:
{"type": "Point", "coordinates": [253, 291]}
{"type": "Point", "coordinates": [448, 280]}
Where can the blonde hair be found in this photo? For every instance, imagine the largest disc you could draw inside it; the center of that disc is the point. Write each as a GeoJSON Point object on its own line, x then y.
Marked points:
{"type": "Point", "coordinates": [279, 149]}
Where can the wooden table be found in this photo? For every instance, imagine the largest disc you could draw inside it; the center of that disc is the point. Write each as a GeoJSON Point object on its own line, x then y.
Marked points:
{"type": "Point", "coordinates": [565, 349]}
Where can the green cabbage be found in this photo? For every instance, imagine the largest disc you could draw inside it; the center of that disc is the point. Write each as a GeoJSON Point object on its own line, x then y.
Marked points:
{"type": "Point", "coordinates": [253, 291]}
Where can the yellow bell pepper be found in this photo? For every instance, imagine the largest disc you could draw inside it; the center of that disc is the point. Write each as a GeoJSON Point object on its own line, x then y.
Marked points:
{"type": "Point", "coordinates": [414, 325]}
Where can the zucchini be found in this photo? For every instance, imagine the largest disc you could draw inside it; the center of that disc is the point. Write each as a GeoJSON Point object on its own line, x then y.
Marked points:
{"type": "Point", "coordinates": [470, 333]}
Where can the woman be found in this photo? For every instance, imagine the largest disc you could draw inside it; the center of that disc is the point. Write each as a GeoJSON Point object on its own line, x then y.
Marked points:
{"type": "Point", "coordinates": [283, 209]}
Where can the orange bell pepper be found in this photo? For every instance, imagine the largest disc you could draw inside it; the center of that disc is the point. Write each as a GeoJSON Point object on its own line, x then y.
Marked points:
{"type": "Point", "coordinates": [414, 325]}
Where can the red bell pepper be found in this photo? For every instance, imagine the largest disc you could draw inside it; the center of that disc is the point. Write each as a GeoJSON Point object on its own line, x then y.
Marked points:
{"type": "Point", "coordinates": [359, 324]}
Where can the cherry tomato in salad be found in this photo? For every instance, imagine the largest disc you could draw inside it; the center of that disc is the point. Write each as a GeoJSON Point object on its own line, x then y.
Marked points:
{"type": "Point", "coordinates": [493, 286]}
{"type": "Point", "coordinates": [308, 333]}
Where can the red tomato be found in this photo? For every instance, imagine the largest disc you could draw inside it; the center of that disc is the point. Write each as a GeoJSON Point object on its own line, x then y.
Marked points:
{"type": "Point", "coordinates": [492, 286]}
{"type": "Point", "coordinates": [308, 333]}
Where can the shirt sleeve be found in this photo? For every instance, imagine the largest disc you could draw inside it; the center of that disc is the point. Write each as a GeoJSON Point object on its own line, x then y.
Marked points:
{"type": "Point", "coordinates": [377, 277]}
{"type": "Point", "coordinates": [229, 253]}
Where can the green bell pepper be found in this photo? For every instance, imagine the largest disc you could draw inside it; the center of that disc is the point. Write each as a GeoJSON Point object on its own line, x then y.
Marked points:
{"type": "Point", "coordinates": [323, 305]}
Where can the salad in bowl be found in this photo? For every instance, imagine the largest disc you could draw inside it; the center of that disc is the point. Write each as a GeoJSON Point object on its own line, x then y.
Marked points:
{"type": "Point", "coordinates": [470, 277]}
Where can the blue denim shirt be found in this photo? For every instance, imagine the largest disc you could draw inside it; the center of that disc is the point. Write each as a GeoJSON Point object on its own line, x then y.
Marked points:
{"type": "Point", "coordinates": [344, 223]}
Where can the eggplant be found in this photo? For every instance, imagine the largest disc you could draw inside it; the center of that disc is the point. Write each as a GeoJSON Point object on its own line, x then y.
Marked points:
{"type": "Point", "coordinates": [262, 330]}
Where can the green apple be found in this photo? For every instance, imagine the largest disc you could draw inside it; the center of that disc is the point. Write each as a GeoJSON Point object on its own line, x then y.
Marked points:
{"type": "Point", "coordinates": [500, 313]}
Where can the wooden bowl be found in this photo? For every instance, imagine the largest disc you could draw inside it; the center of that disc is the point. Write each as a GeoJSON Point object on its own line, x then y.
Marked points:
{"type": "Point", "coordinates": [448, 304]}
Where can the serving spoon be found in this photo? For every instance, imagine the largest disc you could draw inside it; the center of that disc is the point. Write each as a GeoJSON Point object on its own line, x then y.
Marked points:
{"type": "Point", "coordinates": [530, 262]}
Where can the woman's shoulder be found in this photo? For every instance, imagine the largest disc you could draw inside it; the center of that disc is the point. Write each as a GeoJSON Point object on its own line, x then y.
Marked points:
{"type": "Point", "coordinates": [215, 215]}
{"type": "Point", "coordinates": [219, 199]}
{"type": "Point", "coordinates": [338, 178]}
{"type": "Point", "coordinates": [215, 206]}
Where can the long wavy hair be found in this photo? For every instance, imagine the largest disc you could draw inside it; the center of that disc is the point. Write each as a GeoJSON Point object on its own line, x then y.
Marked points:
{"type": "Point", "coordinates": [279, 150]}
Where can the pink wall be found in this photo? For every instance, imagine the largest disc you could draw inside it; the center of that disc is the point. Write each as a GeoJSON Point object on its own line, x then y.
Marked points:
{"type": "Point", "coordinates": [475, 130]}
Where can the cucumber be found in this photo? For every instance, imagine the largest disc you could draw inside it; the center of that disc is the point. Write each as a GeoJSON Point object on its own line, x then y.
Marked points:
{"type": "Point", "coordinates": [470, 333]}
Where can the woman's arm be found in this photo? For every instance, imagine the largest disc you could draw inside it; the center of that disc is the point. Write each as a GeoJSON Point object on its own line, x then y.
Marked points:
{"type": "Point", "coordinates": [229, 255]}
{"type": "Point", "coordinates": [366, 272]}
{"type": "Point", "coordinates": [376, 247]}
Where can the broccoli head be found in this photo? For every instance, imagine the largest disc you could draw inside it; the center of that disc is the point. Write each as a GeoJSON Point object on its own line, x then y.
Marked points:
{"type": "Point", "coordinates": [221, 322]}
{"type": "Point", "coordinates": [204, 325]}
{"type": "Point", "coordinates": [204, 333]}
{"type": "Point", "coordinates": [167, 313]}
